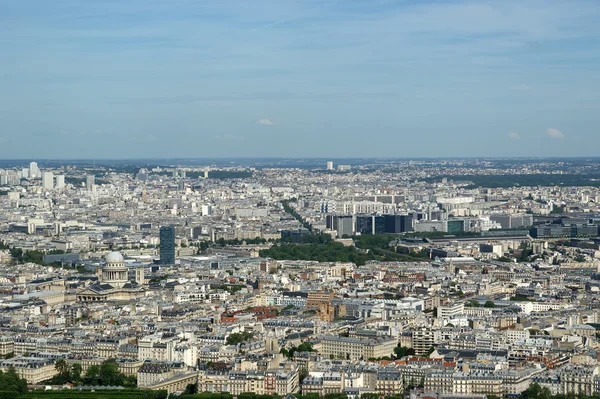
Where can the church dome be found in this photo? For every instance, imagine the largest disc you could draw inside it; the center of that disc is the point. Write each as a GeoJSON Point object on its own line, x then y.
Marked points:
{"type": "Point", "coordinates": [114, 257]}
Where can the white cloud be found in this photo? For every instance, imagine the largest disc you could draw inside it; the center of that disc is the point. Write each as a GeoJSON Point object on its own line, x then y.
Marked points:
{"type": "Point", "coordinates": [514, 136]}
{"type": "Point", "coordinates": [265, 122]}
{"type": "Point", "coordinates": [555, 133]}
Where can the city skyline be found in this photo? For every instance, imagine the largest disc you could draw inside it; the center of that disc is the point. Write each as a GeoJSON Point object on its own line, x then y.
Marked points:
{"type": "Point", "coordinates": [320, 78]}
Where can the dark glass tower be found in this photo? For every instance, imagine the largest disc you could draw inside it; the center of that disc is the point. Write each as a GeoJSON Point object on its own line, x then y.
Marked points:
{"type": "Point", "coordinates": [167, 245]}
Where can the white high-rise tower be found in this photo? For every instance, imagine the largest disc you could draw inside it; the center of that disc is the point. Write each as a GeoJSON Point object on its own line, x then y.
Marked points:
{"type": "Point", "coordinates": [34, 171]}
{"type": "Point", "coordinates": [47, 180]}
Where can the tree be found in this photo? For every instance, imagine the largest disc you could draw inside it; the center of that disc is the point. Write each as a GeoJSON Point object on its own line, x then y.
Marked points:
{"type": "Point", "coordinates": [10, 381]}
{"type": "Point", "coordinates": [237, 338]}
{"type": "Point", "coordinates": [402, 351]}
{"type": "Point", "coordinates": [92, 374]}
{"type": "Point", "coordinates": [62, 367]}
{"type": "Point", "coordinates": [110, 374]}
{"type": "Point", "coordinates": [76, 370]}
{"type": "Point", "coordinates": [489, 304]}
{"type": "Point", "coordinates": [191, 389]}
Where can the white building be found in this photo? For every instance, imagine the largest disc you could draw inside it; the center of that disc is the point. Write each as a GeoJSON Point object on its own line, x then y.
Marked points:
{"type": "Point", "coordinates": [60, 182]}
{"type": "Point", "coordinates": [47, 180]}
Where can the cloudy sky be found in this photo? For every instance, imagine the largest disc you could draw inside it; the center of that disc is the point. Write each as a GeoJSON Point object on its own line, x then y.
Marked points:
{"type": "Point", "coordinates": [331, 78]}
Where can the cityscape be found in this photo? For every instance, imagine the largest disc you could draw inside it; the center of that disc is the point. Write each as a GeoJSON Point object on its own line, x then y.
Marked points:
{"type": "Point", "coordinates": [299, 199]}
{"type": "Point", "coordinates": [306, 278]}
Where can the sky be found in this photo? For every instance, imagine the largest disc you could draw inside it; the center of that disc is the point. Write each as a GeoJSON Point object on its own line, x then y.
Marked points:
{"type": "Point", "coordinates": [127, 79]}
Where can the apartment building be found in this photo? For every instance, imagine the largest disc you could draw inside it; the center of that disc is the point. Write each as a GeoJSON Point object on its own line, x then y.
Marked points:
{"type": "Point", "coordinates": [32, 369]}
{"type": "Point", "coordinates": [270, 382]}
{"type": "Point", "coordinates": [424, 338]}
{"type": "Point", "coordinates": [337, 347]}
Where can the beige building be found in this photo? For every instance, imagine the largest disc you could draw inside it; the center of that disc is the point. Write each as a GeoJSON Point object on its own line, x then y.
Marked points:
{"type": "Point", "coordinates": [356, 348]}
{"type": "Point", "coordinates": [275, 381]}
{"type": "Point", "coordinates": [32, 369]}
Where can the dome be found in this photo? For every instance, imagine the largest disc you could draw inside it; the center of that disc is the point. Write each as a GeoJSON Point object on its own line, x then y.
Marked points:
{"type": "Point", "coordinates": [114, 257]}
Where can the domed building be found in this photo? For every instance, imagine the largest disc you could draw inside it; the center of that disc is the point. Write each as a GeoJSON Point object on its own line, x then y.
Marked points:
{"type": "Point", "coordinates": [114, 284]}
{"type": "Point", "coordinates": [114, 271]}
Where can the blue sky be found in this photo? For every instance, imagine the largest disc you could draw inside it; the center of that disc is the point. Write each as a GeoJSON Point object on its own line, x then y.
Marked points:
{"type": "Point", "coordinates": [331, 78]}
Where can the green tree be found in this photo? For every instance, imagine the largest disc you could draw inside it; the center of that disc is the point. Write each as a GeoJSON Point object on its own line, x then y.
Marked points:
{"type": "Point", "coordinates": [62, 367]}
{"type": "Point", "coordinates": [191, 389]}
{"type": "Point", "coordinates": [489, 304]}
{"type": "Point", "coordinates": [92, 375]}
{"type": "Point", "coordinates": [110, 374]}
{"type": "Point", "coordinates": [76, 371]}
{"type": "Point", "coordinates": [237, 338]}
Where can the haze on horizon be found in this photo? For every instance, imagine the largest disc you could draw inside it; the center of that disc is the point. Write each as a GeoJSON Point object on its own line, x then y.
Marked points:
{"type": "Point", "coordinates": [304, 78]}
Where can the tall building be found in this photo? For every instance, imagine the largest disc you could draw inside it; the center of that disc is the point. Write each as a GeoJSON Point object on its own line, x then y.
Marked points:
{"type": "Point", "coordinates": [329, 165]}
{"type": "Point", "coordinates": [167, 245]}
{"type": "Point", "coordinates": [60, 182]}
{"type": "Point", "coordinates": [342, 224]}
{"type": "Point", "coordinates": [34, 171]}
{"type": "Point", "coordinates": [370, 224]}
{"type": "Point", "coordinates": [89, 182]}
{"type": "Point", "coordinates": [47, 180]}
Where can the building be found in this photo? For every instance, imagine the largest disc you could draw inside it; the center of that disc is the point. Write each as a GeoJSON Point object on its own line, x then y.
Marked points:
{"type": "Point", "coordinates": [280, 381]}
{"type": "Point", "coordinates": [398, 223]}
{"type": "Point", "coordinates": [114, 284]}
{"type": "Point", "coordinates": [512, 221]}
{"type": "Point", "coordinates": [449, 311]}
{"type": "Point", "coordinates": [47, 180]}
{"type": "Point", "coordinates": [89, 182]}
{"type": "Point", "coordinates": [342, 224]}
{"type": "Point", "coordinates": [329, 165]}
{"type": "Point", "coordinates": [317, 298]}
{"type": "Point", "coordinates": [60, 182]}
{"type": "Point", "coordinates": [370, 224]}
{"type": "Point", "coordinates": [167, 245]}
{"type": "Point", "coordinates": [161, 376]}
{"type": "Point", "coordinates": [34, 171]}
{"type": "Point", "coordinates": [356, 348]}
{"type": "Point", "coordinates": [424, 339]}
{"type": "Point", "coordinates": [32, 369]}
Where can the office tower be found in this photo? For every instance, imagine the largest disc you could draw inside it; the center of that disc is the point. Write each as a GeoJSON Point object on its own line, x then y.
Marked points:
{"type": "Point", "coordinates": [47, 180]}
{"type": "Point", "coordinates": [175, 174]}
{"type": "Point", "coordinates": [181, 185]}
{"type": "Point", "coordinates": [34, 171]}
{"type": "Point", "coordinates": [207, 210]}
{"type": "Point", "coordinates": [89, 182]}
{"type": "Point", "coordinates": [25, 173]}
{"type": "Point", "coordinates": [343, 225]}
{"type": "Point", "coordinates": [329, 165]}
{"type": "Point", "coordinates": [183, 174]}
{"type": "Point", "coordinates": [364, 224]}
{"type": "Point", "coordinates": [167, 245]}
{"type": "Point", "coordinates": [60, 182]}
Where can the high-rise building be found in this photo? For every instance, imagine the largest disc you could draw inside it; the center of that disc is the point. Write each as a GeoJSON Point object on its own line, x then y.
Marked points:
{"type": "Point", "coordinates": [167, 245]}
{"type": "Point", "coordinates": [34, 171]}
{"type": "Point", "coordinates": [89, 182]}
{"type": "Point", "coordinates": [47, 180]}
{"type": "Point", "coordinates": [60, 182]}
{"type": "Point", "coordinates": [329, 165]}
{"type": "Point", "coordinates": [342, 224]}
{"type": "Point", "coordinates": [398, 223]}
